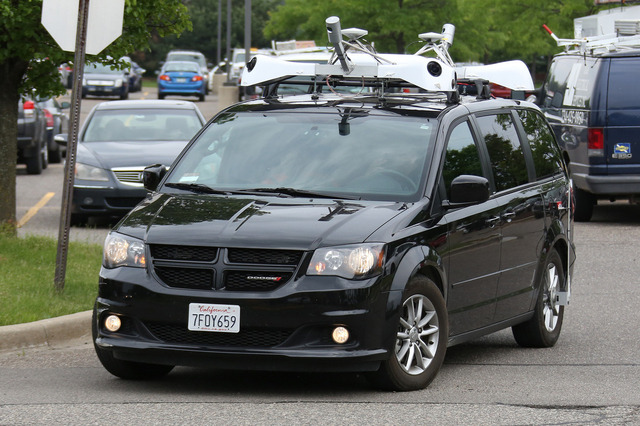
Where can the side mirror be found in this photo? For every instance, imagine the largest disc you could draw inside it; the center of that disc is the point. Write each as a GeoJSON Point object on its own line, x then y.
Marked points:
{"type": "Point", "coordinates": [469, 189]}
{"type": "Point", "coordinates": [65, 105]}
{"type": "Point", "coordinates": [61, 139]}
{"type": "Point", "coordinates": [152, 175]}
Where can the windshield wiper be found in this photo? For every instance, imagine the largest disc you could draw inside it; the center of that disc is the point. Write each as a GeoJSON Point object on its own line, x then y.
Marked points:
{"type": "Point", "coordinates": [293, 192]}
{"type": "Point", "coordinates": [196, 187]}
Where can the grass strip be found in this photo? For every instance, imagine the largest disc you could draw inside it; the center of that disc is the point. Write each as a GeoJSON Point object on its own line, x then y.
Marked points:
{"type": "Point", "coordinates": [27, 271]}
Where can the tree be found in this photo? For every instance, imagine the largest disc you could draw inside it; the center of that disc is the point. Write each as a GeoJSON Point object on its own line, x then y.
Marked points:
{"type": "Point", "coordinates": [29, 58]}
{"type": "Point", "coordinates": [393, 25]}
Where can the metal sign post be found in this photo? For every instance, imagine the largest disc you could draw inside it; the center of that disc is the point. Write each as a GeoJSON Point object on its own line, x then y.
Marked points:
{"type": "Point", "coordinates": [70, 163]}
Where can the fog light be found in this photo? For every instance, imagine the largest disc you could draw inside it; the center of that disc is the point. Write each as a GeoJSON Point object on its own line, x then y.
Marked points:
{"type": "Point", "coordinates": [340, 335]}
{"type": "Point", "coordinates": [112, 323]}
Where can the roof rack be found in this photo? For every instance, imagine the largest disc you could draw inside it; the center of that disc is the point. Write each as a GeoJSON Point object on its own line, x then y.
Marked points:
{"type": "Point", "coordinates": [596, 45]}
{"type": "Point", "coordinates": [355, 61]}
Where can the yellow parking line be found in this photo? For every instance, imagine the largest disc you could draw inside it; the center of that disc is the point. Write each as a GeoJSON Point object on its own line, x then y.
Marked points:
{"type": "Point", "coordinates": [33, 210]}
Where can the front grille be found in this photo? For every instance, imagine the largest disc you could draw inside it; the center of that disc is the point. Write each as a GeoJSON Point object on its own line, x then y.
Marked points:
{"type": "Point", "coordinates": [199, 279]}
{"type": "Point", "coordinates": [245, 338]}
{"type": "Point", "coordinates": [129, 176]}
{"type": "Point", "coordinates": [202, 268]}
{"type": "Point", "coordinates": [192, 253]}
{"type": "Point", "coordinates": [266, 257]}
{"type": "Point", "coordinates": [254, 280]}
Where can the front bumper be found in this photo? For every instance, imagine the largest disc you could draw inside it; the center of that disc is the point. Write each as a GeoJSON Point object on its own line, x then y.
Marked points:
{"type": "Point", "coordinates": [104, 90]}
{"type": "Point", "coordinates": [105, 200]}
{"type": "Point", "coordinates": [287, 329]}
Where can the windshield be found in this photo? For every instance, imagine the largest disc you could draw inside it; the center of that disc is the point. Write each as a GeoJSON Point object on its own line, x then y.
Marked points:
{"type": "Point", "coordinates": [142, 125]}
{"type": "Point", "coordinates": [181, 66]}
{"type": "Point", "coordinates": [101, 69]}
{"type": "Point", "coordinates": [350, 153]}
{"type": "Point", "coordinates": [189, 57]}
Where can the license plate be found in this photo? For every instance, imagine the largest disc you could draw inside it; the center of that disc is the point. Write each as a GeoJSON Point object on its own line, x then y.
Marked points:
{"type": "Point", "coordinates": [181, 80]}
{"type": "Point", "coordinates": [215, 318]}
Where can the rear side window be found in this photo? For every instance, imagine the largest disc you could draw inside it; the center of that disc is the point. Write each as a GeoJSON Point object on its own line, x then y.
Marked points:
{"type": "Point", "coordinates": [546, 156]}
{"type": "Point", "coordinates": [571, 82]}
{"type": "Point", "coordinates": [624, 90]}
{"type": "Point", "coordinates": [507, 159]}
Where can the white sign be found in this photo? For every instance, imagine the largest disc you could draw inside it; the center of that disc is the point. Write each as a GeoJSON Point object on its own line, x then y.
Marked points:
{"type": "Point", "coordinates": [104, 24]}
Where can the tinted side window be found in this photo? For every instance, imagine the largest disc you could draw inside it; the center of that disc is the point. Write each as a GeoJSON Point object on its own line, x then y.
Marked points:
{"type": "Point", "coordinates": [462, 156]}
{"type": "Point", "coordinates": [624, 91]}
{"type": "Point", "coordinates": [546, 156]}
{"type": "Point", "coordinates": [505, 151]}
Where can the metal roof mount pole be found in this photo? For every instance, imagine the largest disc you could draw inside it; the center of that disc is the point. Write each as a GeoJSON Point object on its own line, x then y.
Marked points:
{"type": "Point", "coordinates": [335, 37]}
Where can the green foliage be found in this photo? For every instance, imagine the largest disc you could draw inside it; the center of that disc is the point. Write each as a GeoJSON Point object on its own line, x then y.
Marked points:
{"type": "Point", "coordinates": [27, 268]}
{"type": "Point", "coordinates": [393, 25]}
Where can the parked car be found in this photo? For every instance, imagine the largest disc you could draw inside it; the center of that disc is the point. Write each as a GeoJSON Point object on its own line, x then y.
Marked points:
{"type": "Point", "coordinates": [117, 141]}
{"type": "Point", "coordinates": [191, 56]}
{"type": "Point", "coordinates": [593, 108]}
{"type": "Point", "coordinates": [32, 136]}
{"type": "Point", "coordinates": [135, 74]}
{"type": "Point", "coordinates": [105, 80]}
{"type": "Point", "coordinates": [57, 122]}
{"type": "Point", "coordinates": [181, 78]}
{"type": "Point", "coordinates": [325, 232]}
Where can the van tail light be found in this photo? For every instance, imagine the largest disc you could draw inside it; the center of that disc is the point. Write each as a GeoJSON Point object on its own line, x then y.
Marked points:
{"type": "Point", "coordinates": [49, 118]}
{"type": "Point", "coordinates": [595, 142]}
{"type": "Point", "coordinates": [196, 78]}
{"type": "Point", "coordinates": [29, 108]}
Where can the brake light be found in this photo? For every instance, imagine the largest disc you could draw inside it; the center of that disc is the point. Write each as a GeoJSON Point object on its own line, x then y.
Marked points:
{"type": "Point", "coordinates": [28, 108]}
{"type": "Point", "coordinates": [196, 78]}
{"type": "Point", "coordinates": [165, 77]}
{"type": "Point", "coordinates": [595, 142]}
{"type": "Point", "coordinates": [49, 118]}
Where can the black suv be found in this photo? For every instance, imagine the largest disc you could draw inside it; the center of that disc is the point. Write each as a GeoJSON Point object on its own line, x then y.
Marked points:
{"type": "Point", "coordinates": [325, 232]}
{"type": "Point", "coordinates": [592, 105]}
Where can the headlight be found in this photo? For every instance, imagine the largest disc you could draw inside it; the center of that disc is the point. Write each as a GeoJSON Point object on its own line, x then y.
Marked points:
{"type": "Point", "coordinates": [119, 82]}
{"type": "Point", "coordinates": [87, 172]}
{"type": "Point", "coordinates": [356, 261]}
{"type": "Point", "coordinates": [121, 250]}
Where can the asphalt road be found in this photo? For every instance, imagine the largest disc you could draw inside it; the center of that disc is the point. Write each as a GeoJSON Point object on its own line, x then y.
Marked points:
{"type": "Point", "coordinates": [592, 375]}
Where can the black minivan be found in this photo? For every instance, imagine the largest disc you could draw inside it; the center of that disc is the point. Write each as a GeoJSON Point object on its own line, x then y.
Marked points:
{"type": "Point", "coordinates": [592, 102]}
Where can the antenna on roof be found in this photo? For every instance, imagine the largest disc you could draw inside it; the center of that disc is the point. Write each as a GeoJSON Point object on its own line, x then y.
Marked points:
{"type": "Point", "coordinates": [442, 49]}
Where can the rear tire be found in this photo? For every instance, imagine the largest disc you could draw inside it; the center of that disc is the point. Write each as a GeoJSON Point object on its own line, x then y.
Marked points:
{"type": "Point", "coordinates": [543, 329]}
{"type": "Point", "coordinates": [584, 205]}
{"type": "Point", "coordinates": [35, 163]}
{"type": "Point", "coordinates": [421, 340]}
{"type": "Point", "coordinates": [126, 369]}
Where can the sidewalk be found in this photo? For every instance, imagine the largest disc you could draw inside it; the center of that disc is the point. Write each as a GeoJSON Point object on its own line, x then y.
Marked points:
{"type": "Point", "coordinates": [50, 332]}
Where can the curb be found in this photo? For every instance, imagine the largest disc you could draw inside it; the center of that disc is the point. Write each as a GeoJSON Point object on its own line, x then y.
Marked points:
{"type": "Point", "coordinates": [49, 332]}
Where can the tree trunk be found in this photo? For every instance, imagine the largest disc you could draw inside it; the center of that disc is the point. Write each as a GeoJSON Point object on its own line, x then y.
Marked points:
{"type": "Point", "coordinates": [9, 98]}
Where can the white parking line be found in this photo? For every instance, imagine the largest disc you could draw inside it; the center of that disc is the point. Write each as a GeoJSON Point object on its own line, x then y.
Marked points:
{"type": "Point", "coordinates": [33, 210]}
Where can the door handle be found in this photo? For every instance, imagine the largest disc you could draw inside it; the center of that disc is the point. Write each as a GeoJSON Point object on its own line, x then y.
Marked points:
{"type": "Point", "coordinates": [508, 216]}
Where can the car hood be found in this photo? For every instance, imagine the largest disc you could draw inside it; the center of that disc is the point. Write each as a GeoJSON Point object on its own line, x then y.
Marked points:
{"type": "Point", "coordinates": [129, 154]}
{"type": "Point", "coordinates": [256, 222]}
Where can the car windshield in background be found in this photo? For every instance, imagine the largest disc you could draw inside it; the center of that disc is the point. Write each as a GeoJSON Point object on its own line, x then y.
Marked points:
{"type": "Point", "coordinates": [187, 57]}
{"type": "Point", "coordinates": [350, 153]}
{"type": "Point", "coordinates": [181, 66]}
{"type": "Point", "coordinates": [142, 125]}
{"type": "Point", "coordinates": [101, 69]}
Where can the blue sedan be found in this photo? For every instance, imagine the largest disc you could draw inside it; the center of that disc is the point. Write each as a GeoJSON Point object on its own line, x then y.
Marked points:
{"type": "Point", "coordinates": [181, 78]}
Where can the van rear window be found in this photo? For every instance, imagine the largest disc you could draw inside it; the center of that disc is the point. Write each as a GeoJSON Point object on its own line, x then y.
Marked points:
{"type": "Point", "coordinates": [624, 91]}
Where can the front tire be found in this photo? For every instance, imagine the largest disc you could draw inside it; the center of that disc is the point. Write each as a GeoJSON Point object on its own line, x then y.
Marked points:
{"type": "Point", "coordinates": [543, 329]}
{"type": "Point", "coordinates": [126, 369]}
{"type": "Point", "coordinates": [421, 339]}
